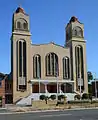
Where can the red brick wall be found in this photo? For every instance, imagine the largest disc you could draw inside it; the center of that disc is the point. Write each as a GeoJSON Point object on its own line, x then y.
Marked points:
{"type": "Point", "coordinates": [2, 92]}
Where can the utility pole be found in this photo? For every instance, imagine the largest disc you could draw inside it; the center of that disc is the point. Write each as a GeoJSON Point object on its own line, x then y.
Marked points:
{"type": "Point", "coordinates": [95, 85]}
{"type": "Point", "coordinates": [57, 86]}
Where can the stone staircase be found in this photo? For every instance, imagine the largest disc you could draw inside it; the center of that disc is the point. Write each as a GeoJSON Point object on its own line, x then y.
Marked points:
{"type": "Point", "coordinates": [27, 101]}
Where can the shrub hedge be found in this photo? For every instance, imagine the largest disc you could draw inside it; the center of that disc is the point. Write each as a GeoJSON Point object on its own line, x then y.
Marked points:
{"type": "Point", "coordinates": [53, 97]}
{"type": "Point", "coordinates": [42, 97]}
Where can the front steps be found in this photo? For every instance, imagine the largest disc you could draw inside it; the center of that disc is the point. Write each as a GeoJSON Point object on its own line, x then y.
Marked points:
{"type": "Point", "coordinates": [27, 101]}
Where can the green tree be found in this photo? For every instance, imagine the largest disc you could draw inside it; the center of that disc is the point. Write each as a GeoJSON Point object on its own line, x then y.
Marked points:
{"type": "Point", "coordinates": [90, 76]}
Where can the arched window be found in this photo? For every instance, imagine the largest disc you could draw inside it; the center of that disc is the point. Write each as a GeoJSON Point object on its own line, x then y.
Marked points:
{"type": "Point", "coordinates": [37, 66]}
{"type": "Point", "coordinates": [25, 26]}
{"type": "Point", "coordinates": [19, 25]}
{"type": "Point", "coordinates": [79, 62]}
{"type": "Point", "coordinates": [52, 68]}
{"type": "Point", "coordinates": [77, 32]}
{"type": "Point", "coordinates": [66, 68]}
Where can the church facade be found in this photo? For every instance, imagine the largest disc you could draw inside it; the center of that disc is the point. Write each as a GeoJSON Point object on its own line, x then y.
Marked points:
{"type": "Point", "coordinates": [47, 68]}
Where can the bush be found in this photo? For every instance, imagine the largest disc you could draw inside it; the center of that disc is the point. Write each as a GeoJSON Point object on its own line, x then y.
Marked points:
{"type": "Point", "coordinates": [77, 97]}
{"type": "Point", "coordinates": [61, 97]}
{"type": "Point", "coordinates": [85, 96]}
{"type": "Point", "coordinates": [53, 97]}
{"type": "Point", "coordinates": [42, 97]}
{"type": "Point", "coordinates": [78, 101]}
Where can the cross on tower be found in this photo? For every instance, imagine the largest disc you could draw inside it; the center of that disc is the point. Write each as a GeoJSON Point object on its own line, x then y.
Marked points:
{"type": "Point", "coordinates": [19, 2]}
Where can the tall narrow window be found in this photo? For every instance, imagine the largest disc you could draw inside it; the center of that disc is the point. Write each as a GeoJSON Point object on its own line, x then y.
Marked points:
{"type": "Point", "coordinates": [66, 68]}
{"type": "Point", "coordinates": [21, 63]}
{"type": "Point", "coordinates": [37, 66]}
{"type": "Point", "coordinates": [79, 62]}
{"type": "Point", "coordinates": [51, 61]}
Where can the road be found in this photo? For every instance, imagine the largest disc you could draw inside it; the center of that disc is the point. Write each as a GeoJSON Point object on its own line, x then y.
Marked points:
{"type": "Point", "coordinates": [88, 114]}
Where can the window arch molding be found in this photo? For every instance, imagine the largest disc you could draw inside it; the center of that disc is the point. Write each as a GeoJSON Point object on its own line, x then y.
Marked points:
{"type": "Point", "coordinates": [23, 24]}
{"type": "Point", "coordinates": [52, 64]}
{"type": "Point", "coordinates": [77, 31]}
{"type": "Point", "coordinates": [37, 66]}
{"type": "Point", "coordinates": [66, 67]}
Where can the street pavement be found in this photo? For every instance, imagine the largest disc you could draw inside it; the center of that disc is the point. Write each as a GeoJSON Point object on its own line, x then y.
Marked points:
{"type": "Point", "coordinates": [84, 114]}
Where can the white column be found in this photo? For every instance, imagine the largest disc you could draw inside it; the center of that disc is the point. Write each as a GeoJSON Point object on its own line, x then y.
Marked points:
{"type": "Point", "coordinates": [46, 88]}
{"type": "Point", "coordinates": [60, 88]}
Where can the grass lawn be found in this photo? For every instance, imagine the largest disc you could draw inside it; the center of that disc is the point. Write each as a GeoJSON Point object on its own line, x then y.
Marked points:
{"type": "Point", "coordinates": [51, 104]}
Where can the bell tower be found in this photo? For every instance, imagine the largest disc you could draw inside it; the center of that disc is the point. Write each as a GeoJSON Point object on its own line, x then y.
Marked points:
{"type": "Point", "coordinates": [20, 53]}
{"type": "Point", "coordinates": [77, 44]}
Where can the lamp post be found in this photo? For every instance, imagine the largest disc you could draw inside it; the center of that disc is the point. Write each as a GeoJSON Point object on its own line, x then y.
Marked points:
{"type": "Point", "coordinates": [57, 86]}
{"type": "Point", "coordinates": [95, 85]}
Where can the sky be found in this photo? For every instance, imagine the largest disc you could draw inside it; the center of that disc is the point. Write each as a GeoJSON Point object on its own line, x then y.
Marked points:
{"type": "Point", "coordinates": [48, 19]}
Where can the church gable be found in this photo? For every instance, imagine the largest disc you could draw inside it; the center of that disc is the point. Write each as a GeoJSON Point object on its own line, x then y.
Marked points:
{"type": "Point", "coordinates": [44, 49]}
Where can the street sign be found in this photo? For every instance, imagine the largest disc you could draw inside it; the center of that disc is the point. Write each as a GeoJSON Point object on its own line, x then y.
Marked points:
{"type": "Point", "coordinates": [80, 82]}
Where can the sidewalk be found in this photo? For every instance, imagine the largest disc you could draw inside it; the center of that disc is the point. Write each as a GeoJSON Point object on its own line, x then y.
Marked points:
{"type": "Point", "coordinates": [14, 108]}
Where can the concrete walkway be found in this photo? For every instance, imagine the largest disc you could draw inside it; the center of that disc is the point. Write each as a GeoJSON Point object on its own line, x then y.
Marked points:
{"type": "Point", "coordinates": [17, 109]}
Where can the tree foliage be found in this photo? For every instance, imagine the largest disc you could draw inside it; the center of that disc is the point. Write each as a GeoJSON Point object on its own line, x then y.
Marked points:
{"type": "Point", "coordinates": [90, 76]}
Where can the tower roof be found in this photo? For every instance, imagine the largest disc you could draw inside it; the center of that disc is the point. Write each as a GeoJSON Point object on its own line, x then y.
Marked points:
{"type": "Point", "coordinates": [73, 19]}
{"type": "Point", "coordinates": [20, 10]}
